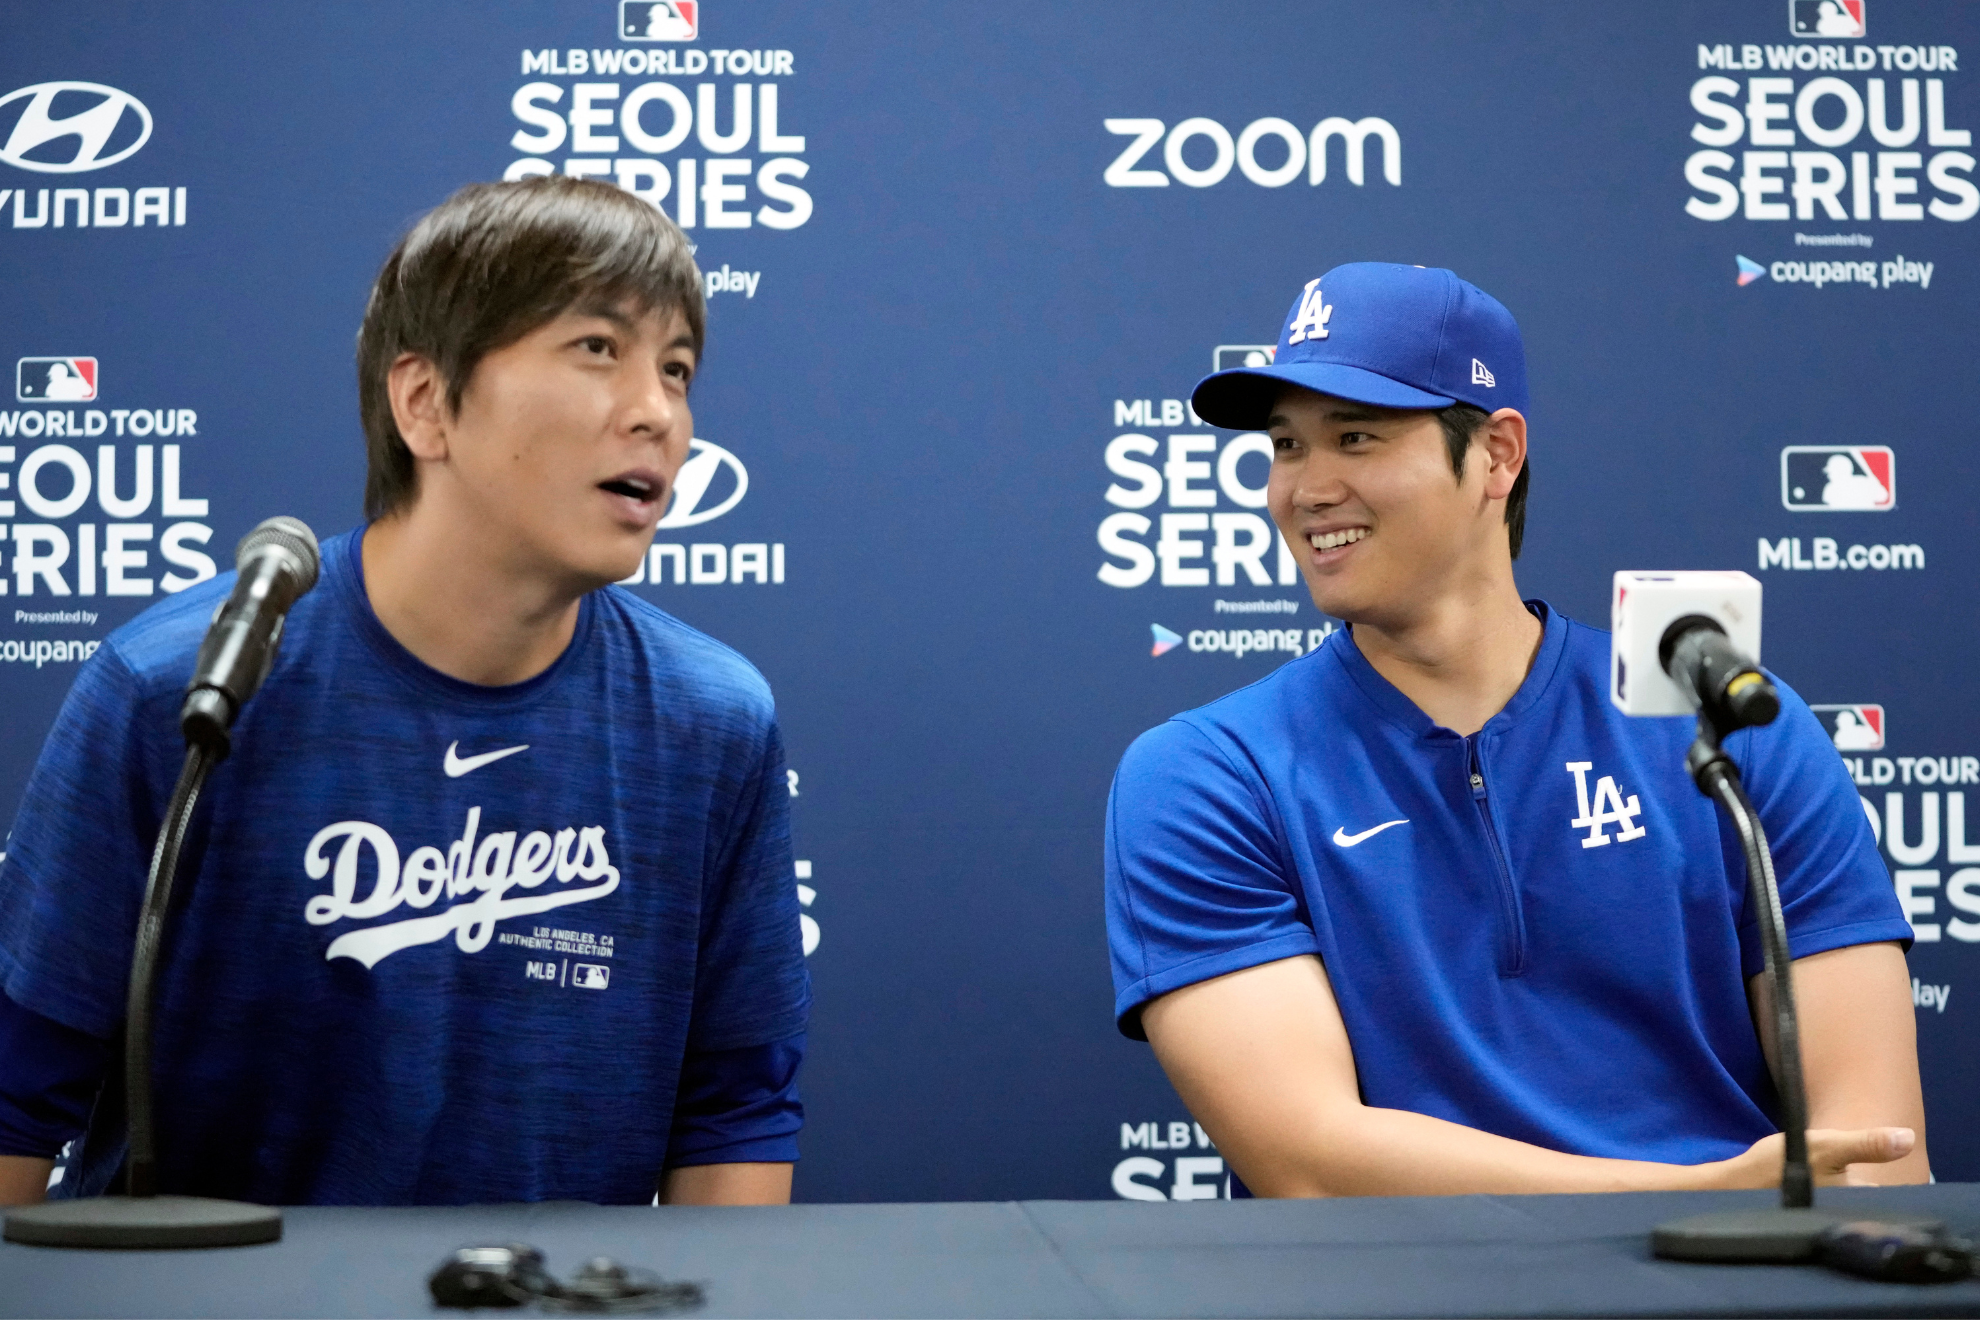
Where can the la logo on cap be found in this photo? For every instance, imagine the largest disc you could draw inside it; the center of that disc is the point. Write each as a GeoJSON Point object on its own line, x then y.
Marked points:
{"type": "Point", "coordinates": [1310, 321]}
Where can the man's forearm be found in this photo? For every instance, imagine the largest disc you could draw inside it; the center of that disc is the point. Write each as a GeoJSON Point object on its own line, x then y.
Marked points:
{"type": "Point", "coordinates": [727, 1184]}
{"type": "Point", "coordinates": [1859, 1047]}
{"type": "Point", "coordinates": [24, 1179]}
{"type": "Point", "coordinates": [1392, 1152]}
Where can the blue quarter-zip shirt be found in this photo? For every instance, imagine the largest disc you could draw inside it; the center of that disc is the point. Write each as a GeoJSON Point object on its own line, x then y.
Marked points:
{"type": "Point", "coordinates": [1540, 930]}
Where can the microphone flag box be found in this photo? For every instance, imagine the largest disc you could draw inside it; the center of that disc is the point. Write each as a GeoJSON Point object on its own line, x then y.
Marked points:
{"type": "Point", "coordinates": [1647, 603]}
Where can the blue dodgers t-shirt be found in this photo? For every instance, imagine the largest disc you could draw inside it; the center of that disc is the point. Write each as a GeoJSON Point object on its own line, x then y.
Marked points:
{"type": "Point", "coordinates": [433, 942]}
{"type": "Point", "coordinates": [1540, 931]}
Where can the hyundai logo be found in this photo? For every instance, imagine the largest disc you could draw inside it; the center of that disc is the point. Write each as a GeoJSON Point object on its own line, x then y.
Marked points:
{"type": "Point", "coordinates": [701, 472]}
{"type": "Point", "coordinates": [103, 111]}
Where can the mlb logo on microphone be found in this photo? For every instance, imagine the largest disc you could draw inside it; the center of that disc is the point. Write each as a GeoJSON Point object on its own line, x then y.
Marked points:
{"type": "Point", "coordinates": [1839, 478]}
{"type": "Point", "coordinates": [1229, 357]}
{"type": "Point", "coordinates": [1826, 18]}
{"type": "Point", "coordinates": [55, 379]}
{"type": "Point", "coordinates": [1853, 728]}
{"type": "Point", "coordinates": [659, 20]}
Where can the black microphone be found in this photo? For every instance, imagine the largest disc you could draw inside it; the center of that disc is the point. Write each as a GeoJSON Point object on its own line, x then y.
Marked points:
{"type": "Point", "coordinates": [278, 562]}
{"type": "Point", "coordinates": [1716, 676]}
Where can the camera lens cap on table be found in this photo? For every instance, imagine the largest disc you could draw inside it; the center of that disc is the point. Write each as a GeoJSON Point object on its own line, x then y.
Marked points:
{"type": "Point", "coordinates": [513, 1275]}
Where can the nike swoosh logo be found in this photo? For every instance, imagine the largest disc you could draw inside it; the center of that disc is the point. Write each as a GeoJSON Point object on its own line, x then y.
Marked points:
{"type": "Point", "coordinates": [1346, 840]}
{"type": "Point", "coordinates": [458, 765]}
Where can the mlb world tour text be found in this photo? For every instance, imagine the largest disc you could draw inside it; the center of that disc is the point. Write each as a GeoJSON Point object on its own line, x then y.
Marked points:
{"type": "Point", "coordinates": [621, 131]}
{"type": "Point", "coordinates": [1801, 132]}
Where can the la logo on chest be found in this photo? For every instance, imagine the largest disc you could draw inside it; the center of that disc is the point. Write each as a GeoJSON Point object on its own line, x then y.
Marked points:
{"type": "Point", "coordinates": [1607, 808]}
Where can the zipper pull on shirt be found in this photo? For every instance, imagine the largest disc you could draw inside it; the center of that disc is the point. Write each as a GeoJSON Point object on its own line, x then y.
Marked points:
{"type": "Point", "coordinates": [1477, 778]}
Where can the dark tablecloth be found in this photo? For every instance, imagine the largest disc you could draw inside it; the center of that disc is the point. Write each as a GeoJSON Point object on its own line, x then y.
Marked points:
{"type": "Point", "coordinates": [1407, 1256]}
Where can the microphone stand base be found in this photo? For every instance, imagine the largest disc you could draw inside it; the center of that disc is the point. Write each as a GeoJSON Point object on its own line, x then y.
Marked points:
{"type": "Point", "coordinates": [1773, 1235]}
{"type": "Point", "coordinates": [144, 1223]}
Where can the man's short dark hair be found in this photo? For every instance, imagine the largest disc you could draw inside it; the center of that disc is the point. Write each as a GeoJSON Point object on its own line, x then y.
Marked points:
{"type": "Point", "coordinates": [492, 263]}
{"type": "Point", "coordinates": [1461, 422]}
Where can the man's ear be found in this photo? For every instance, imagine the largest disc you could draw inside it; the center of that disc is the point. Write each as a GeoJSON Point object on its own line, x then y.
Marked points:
{"type": "Point", "coordinates": [1504, 441]}
{"type": "Point", "coordinates": [419, 406]}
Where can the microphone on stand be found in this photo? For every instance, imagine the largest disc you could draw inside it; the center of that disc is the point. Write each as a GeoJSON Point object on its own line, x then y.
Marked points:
{"type": "Point", "coordinates": [1716, 676]}
{"type": "Point", "coordinates": [1685, 642]}
{"type": "Point", "coordinates": [278, 561]}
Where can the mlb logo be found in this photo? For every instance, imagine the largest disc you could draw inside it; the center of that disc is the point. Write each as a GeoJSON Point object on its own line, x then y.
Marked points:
{"type": "Point", "coordinates": [1853, 728]}
{"type": "Point", "coordinates": [1229, 357]}
{"type": "Point", "coordinates": [55, 379]}
{"type": "Point", "coordinates": [1826, 18]}
{"type": "Point", "coordinates": [1839, 478]}
{"type": "Point", "coordinates": [592, 976]}
{"type": "Point", "coordinates": [659, 20]}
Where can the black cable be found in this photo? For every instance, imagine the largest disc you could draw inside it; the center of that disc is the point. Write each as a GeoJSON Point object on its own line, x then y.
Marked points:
{"type": "Point", "coordinates": [1720, 780]}
{"type": "Point", "coordinates": [141, 1160]}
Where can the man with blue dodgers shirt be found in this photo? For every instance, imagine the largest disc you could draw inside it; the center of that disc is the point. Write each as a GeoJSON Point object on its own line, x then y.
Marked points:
{"type": "Point", "coordinates": [1422, 912]}
{"type": "Point", "coordinates": [493, 899]}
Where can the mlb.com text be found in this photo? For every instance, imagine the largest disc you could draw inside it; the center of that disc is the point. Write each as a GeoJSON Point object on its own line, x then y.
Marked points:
{"type": "Point", "coordinates": [1786, 553]}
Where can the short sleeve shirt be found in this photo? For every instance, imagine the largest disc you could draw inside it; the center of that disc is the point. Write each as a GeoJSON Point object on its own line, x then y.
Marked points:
{"type": "Point", "coordinates": [1541, 930]}
{"type": "Point", "coordinates": [433, 942]}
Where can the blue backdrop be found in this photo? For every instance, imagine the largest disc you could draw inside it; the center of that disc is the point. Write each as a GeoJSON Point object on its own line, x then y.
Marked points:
{"type": "Point", "coordinates": [965, 263]}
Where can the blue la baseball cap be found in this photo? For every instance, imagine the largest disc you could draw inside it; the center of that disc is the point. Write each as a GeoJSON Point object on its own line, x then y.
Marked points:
{"type": "Point", "coordinates": [1390, 335]}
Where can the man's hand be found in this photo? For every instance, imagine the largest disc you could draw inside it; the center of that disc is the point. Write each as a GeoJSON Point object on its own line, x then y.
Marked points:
{"type": "Point", "coordinates": [1830, 1154]}
{"type": "Point", "coordinates": [24, 1179]}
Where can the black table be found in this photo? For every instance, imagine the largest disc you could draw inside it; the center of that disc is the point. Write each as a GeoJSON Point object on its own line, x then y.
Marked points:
{"type": "Point", "coordinates": [1408, 1256]}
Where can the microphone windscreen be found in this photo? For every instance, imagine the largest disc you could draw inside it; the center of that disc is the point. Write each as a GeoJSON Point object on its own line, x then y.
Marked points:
{"type": "Point", "coordinates": [286, 533]}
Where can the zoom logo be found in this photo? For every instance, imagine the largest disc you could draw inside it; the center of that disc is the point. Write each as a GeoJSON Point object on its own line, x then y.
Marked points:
{"type": "Point", "coordinates": [69, 127]}
{"type": "Point", "coordinates": [711, 482]}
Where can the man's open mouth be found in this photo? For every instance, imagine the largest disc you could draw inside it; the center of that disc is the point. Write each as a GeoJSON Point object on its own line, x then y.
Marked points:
{"type": "Point", "coordinates": [634, 486]}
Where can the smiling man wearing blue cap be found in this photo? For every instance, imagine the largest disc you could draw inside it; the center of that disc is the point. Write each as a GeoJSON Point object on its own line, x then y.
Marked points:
{"type": "Point", "coordinates": [1422, 912]}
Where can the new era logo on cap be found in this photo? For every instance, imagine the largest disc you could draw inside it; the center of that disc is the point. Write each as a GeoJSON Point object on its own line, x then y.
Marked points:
{"type": "Point", "coordinates": [1853, 728]}
{"type": "Point", "coordinates": [55, 379]}
{"type": "Point", "coordinates": [1481, 376]}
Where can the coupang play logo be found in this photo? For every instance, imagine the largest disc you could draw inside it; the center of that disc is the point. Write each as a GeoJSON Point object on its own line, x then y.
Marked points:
{"type": "Point", "coordinates": [1899, 270]}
